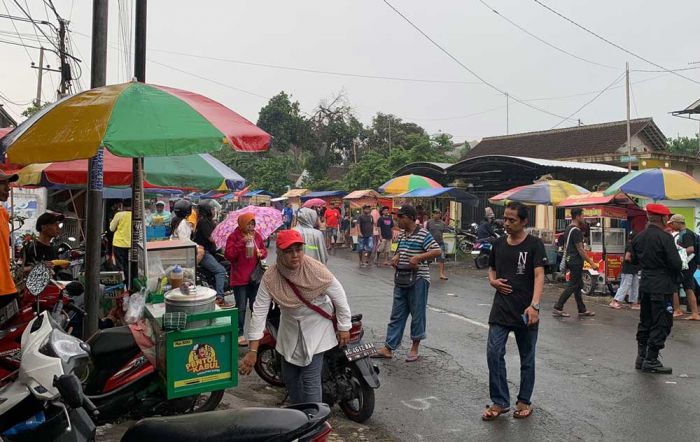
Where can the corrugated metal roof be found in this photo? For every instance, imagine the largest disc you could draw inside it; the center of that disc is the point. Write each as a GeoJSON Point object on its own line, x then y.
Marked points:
{"type": "Point", "coordinates": [569, 164]}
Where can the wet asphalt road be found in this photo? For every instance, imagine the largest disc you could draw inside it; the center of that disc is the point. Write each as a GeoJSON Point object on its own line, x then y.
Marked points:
{"type": "Point", "coordinates": [586, 388]}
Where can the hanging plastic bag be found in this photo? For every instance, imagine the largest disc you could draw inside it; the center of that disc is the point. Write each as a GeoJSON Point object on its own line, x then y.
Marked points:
{"type": "Point", "coordinates": [135, 308]}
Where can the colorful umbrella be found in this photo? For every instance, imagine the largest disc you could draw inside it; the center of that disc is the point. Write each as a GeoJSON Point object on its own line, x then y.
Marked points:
{"type": "Point", "coordinates": [267, 220]}
{"type": "Point", "coordinates": [657, 184]}
{"type": "Point", "coordinates": [407, 183]}
{"type": "Point", "coordinates": [199, 171]}
{"type": "Point", "coordinates": [549, 193]}
{"type": "Point", "coordinates": [130, 120]}
{"type": "Point", "coordinates": [313, 202]}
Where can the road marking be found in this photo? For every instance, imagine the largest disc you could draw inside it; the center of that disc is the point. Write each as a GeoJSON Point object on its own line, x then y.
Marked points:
{"type": "Point", "coordinates": [451, 294]}
{"type": "Point", "coordinates": [671, 382]}
{"type": "Point", "coordinates": [484, 305]}
{"type": "Point", "coordinates": [460, 317]}
{"type": "Point", "coordinates": [423, 403]}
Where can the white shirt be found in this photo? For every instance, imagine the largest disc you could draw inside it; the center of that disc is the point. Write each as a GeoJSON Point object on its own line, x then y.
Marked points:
{"type": "Point", "coordinates": [183, 231]}
{"type": "Point", "coordinates": [303, 332]}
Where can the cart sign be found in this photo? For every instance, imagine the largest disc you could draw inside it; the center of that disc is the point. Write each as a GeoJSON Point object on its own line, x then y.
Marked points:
{"type": "Point", "coordinates": [601, 212]}
{"type": "Point", "coordinates": [613, 267]}
{"type": "Point", "coordinates": [201, 360]}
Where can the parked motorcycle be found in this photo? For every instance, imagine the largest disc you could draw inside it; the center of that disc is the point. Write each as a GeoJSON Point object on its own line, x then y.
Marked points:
{"type": "Point", "coordinates": [466, 238]}
{"type": "Point", "coordinates": [47, 402]}
{"type": "Point", "coordinates": [348, 377]}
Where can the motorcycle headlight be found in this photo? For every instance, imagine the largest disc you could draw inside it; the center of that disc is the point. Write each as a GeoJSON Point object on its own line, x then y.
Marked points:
{"type": "Point", "coordinates": [73, 352]}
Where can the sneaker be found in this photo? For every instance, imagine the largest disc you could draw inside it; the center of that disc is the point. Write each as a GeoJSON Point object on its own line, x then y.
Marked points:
{"type": "Point", "coordinates": [655, 366]}
{"type": "Point", "coordinates": [559, 313]}
{"type": "Point", "coordinates": [222, 303]}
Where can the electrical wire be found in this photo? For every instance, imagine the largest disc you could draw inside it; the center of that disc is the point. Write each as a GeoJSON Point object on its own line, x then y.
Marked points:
{"type": "Point", "coordinates": [619, 77]}
{"type": "Point", "coordinates": [14, 25]}
{"type": "Point", "coordinates": [557, 48]}
{"type": "Point", "coordinates": [461, 117]}
{"type": "Point", "coordinates": [613, 43]}
{"type": "Point", "coordinates": [53, 85]}
{"type": "Point", "coordinates": [467, 68]}
{"type": "Point", "coordinates": [16, 103]}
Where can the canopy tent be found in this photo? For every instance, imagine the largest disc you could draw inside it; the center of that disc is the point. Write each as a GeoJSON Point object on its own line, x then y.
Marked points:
{"type": "Point", "coordinates": [121, 193]}
{"type": "Point", "coordinates": [597, 199]}
{"type": "Point", "coordinates": [359, 198]}
{"type": "Point", "coordinates": [324, 194]}
{"type": "Point", "coordinates": [444, 192]}
{"type": "Point", "coordinates": [198, 171]}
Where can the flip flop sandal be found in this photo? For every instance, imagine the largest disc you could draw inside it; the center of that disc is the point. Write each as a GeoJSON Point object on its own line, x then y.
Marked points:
{"type": "Point", "coordinates": [380, 355]}
{"type": "Point", "coordinates": [444, 278]}
{"type": "Point", "coordinates": [412, 358]}
{"type": "Point", "coordinates": [493, 411]}
{"type": "Point", "coordinates": [522, 410]}
{"type": "Point", "coordinates": [560, 314]}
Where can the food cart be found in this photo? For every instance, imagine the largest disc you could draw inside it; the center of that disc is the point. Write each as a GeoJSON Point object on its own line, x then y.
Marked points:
{"type": "Point", "coordinates": [610, 219]}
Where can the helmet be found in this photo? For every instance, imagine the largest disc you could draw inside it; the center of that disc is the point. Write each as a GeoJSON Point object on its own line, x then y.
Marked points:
{"type": "Point", "coordinates": [182, 208]}
{"type": "Point", "coordinates": [206, 208]}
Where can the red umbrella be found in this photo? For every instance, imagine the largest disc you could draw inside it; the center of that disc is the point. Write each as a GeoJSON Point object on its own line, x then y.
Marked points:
{"type": "Point", "coordinates": [313, 202]}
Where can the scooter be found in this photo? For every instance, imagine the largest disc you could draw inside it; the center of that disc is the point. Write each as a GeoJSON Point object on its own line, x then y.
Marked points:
{"type": "Point", "coordinates": [480, 252]}
{"type": "Point", "coordinates": [46, 402]}
{"type": "Point", "coordinates": [348, 377]}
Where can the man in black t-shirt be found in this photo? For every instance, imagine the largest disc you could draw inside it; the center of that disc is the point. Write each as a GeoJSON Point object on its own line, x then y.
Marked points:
{"type": "Point", "coordinates": [365, 242]}
{"type": "Point", "coordinates": [575, 256]}
{"type": "Point", "coordinates": [686, 240]}
{"type": "Point", "coordinates": [516, 271]}
{"type": "Point", "coordinates": [386, 227]}
{"type": "Point", "coordinates": [41, 249]}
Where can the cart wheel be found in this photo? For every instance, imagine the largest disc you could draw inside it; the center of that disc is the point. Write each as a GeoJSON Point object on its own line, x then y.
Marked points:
{"type": "Point", "coordinates": [207, 403]}
{"type": "Point", "coordinates": [588, 283]}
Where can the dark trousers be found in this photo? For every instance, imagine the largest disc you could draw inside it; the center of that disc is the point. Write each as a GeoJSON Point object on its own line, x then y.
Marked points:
{"type": "Point", "coordinates": [655, 322]}
{"type": "Point", "coordinates": [573, 287]}
{"type": "Point", "coordinates": [243, 293]}
{"type": "Point", "coordinates": [526, 338]}
{"type": "Point", "coordinates": [121, 254]}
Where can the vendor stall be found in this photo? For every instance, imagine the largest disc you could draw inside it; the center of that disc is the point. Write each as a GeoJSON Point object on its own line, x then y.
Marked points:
{"type": "Point", "coordinates": [329, 196]}
{"type": "Point", "coordinates": [294, 197]}
{"type": "Point", "coordinates": [359, 198]}
{"type": "Point", "coordinates": [610, 219]}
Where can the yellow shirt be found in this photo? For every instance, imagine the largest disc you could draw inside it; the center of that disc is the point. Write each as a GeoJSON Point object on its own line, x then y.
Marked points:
{"type": "Point", "coordinates": [7, 284]}
{"type": "Point", "coordinates": [121, 226]}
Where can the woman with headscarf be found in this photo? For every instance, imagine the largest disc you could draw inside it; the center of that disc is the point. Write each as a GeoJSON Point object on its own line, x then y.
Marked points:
{"type": "Point", "coordinates": [315, 243]}
{"type": "Point", "coordinates": [244, 249]}
{"type": "Point", "coordinates": [304, 334]}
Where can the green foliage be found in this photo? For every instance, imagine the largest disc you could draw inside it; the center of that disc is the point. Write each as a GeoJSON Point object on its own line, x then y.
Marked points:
{"type": "Point", "coordinates": [31, 110]}
{"type": "Point", "coordinates": [271, 174]}
{"type": "Point", "coordinates": [386, 128]}
{"type": "Point", "coordinates": [282, 119]}
{"type": "Point", "coordinates": [683, 145]}
{"type": "Point", "coordinates": [369, 173]}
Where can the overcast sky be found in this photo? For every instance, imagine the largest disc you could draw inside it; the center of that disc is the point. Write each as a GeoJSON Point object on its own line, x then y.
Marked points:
{"type": "Point", "coordinates": [367, 37]}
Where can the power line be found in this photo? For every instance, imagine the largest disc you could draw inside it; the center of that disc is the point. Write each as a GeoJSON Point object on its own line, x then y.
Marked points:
{"type": "Point", "coordinates": [612, 43]}
{"type": "Point", "coordinates": [36, 25]}
{"type": "Point", "coordinates": [4, 97]}
{"type": "Point", "coordinates": [557, 48]}
{"type": "Point", "coordinates": [465, 67]}
{"type": "Point", "coordinates": [14, 25]}
{"type": "Point", "coordinates": [591, 100]}
{"type": "Point", "coordinates": [458, 117]}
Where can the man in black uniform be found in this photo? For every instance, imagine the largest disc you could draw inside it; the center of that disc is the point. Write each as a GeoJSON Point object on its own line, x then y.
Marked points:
{"type": "Point", "coordinates": [655, 251]}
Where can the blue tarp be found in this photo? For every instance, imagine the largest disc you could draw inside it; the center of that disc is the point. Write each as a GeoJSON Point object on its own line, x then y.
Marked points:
{"type": "Point", "coordinates": [323, 194]}
{"type": "Point", "coordinates": [121, 193]}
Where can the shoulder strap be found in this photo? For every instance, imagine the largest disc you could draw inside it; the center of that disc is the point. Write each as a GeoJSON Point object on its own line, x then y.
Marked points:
{"type": "Point", "coordinates": [313, 307]}
{"type": "Point", "coordinates": [566, 246]}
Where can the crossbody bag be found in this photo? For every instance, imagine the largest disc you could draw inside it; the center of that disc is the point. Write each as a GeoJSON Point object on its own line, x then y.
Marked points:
{"type": "Point", "coordinates": [405, 276]}
{"type": "Point", "coordinates": [564, 258]}
{"type": "Point", "coordinates": [330, 316]}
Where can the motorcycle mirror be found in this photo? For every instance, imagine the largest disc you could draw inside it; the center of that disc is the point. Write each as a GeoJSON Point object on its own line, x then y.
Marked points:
{"type": "Point", "coordinates": [38, 278]}
{"type": "Point", "coordinates": [71, 390]}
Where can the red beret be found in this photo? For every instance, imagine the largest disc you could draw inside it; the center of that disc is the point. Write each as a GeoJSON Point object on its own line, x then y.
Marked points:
{"type": "Point", "coordinates": [657, 209]}
{"type": "Point", "coordinates": [286, 238]}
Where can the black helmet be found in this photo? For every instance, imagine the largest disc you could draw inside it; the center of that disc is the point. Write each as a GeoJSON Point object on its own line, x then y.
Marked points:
{"type": "Point", "coordinates": [205, 208]}
{"type": "Point", "coordinates": [182, 208]}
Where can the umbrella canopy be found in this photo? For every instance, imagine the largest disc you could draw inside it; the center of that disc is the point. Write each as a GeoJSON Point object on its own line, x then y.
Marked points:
{"type": "Point", "coordinates": [597, 199]}
{"type": "Point", "coordinates": [657, 184]}
{"type": "Point", "coordinates": [130, 120]}
{"type": "Point", "coordinates": [549, 193]}
{"type": "Point", "coordinates": [313, 202]}
{"type": "Point", "coordinates": [407, 183]}
{"type": "Point", "coordinates": [199, 171]}
{"type": "Point", "coordinates": [267, 220]}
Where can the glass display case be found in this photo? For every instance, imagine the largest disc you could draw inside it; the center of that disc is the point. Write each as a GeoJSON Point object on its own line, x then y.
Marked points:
{"type": "Point", "coordinates": [164, 255]}
{"type": "Point", "coordinates": [614, 240]}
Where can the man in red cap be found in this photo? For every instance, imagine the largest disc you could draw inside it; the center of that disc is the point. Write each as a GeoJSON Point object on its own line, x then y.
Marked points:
{"type": "Point", "coordinates": [655, 251]}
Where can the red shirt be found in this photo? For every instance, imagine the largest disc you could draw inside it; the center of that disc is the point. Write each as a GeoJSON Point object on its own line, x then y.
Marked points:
{"type": "Point", "coordinates": [332, 218]}
{"type": "Point", "coordinates": [242, 266]}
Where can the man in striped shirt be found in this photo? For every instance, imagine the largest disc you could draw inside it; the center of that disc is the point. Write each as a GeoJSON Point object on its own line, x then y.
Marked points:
{"type": "Point", "coordinates": [416, 246]}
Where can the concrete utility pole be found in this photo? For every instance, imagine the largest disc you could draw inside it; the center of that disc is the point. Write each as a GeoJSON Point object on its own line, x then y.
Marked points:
{"type": "Point", "coordinates": [137, 234]}
{"type": "Point", "coordinates": [629, 136]}
{"type": "Point", "coordinates": [507, 114]}
{"type": "Point", "coordinates": [65, 67]}
{"type": "Point", "coordinates": [40, 78]}
{"type": "Point", "coordinates": [98, 78]}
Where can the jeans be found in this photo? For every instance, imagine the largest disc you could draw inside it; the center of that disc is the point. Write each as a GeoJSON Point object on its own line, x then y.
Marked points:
{"type": "Point", "coordinates": [526, 338]}
{"type": "Point", "coordinates": [212, 265]}
{"type": "Point", "coordinates": [365, 244]}
{"type": "Point", "coordinates": [655, 322]}
{"type": "Point", "coordinates": [303, 383]}
{"type": "Point", "coordinates": [413, 300]}
{"type": "Point", "coordinates": [573, 287]}
{"type": "Point", "coordinates": [243, 292]}
{"type": "Point", "coordinates": [629, 285]}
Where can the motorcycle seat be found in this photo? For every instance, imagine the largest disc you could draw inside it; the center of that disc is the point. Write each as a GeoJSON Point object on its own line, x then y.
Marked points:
{"type": "Point", "coordinates": [245, 425]}
{"type": "Point", "coordinates": [112, 340]}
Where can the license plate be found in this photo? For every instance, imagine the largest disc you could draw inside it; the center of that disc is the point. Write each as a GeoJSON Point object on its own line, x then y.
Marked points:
{"type": "Point", "coordinates": [360, 351]}
{"type": "Point", "coordinates": [8, 311]}
{"type": "Point", "coordinates": [476, 252]}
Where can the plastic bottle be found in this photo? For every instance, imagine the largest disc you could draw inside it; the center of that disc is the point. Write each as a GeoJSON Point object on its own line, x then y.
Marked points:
{"type": "Point", "coordinates": [249, 248]}
{"type": "Point", "coordinates": [176, 276]}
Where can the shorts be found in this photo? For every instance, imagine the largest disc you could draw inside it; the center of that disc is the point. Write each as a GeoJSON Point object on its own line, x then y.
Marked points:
{"type": "Point", "coordinates": [443, 252]}
{"type": "Point", "coordinates": [688, 281]}
{"type": "Point", "coordinates": [331, 232]}
{"type": "Point", "coordinates": [384, 246]}
{"type": "Point", "coordinates": [365, 244]}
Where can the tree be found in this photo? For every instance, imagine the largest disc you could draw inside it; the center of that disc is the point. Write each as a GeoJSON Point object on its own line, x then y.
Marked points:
{"type": "Point", "coordinates": [271, 174]}
{"type": "Point", "coordinates": [369, 173]}
{"type": "Point", "coordinates": [683, 145]}
{"type": "Point", "coordinates": [389, 130]}
{"type": "Point", "coordinates": [282, 119]}
{"type": "Point", "coordinates": [34, 108]}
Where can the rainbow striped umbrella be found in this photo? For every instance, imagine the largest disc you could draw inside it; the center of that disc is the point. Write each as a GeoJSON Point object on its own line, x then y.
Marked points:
{"type": "Point", "coordinates": [130, 120]}
{"type": "Point", "coordinates": [657, 184]}
{"type": "Point", "coordinates": [407, 183]}
{"type": "Point", "coordinates": [549, 193]}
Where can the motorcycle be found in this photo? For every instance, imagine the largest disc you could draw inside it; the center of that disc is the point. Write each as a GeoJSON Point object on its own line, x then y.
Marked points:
{"type": "Point", "coordinates": [466, 238]}
{"type": "Point", "coordinates": [348, 377]}
{"type": "Point", "coordinates": [47, 402]}
{"type": "Point", "coordinates": [206, 278]}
